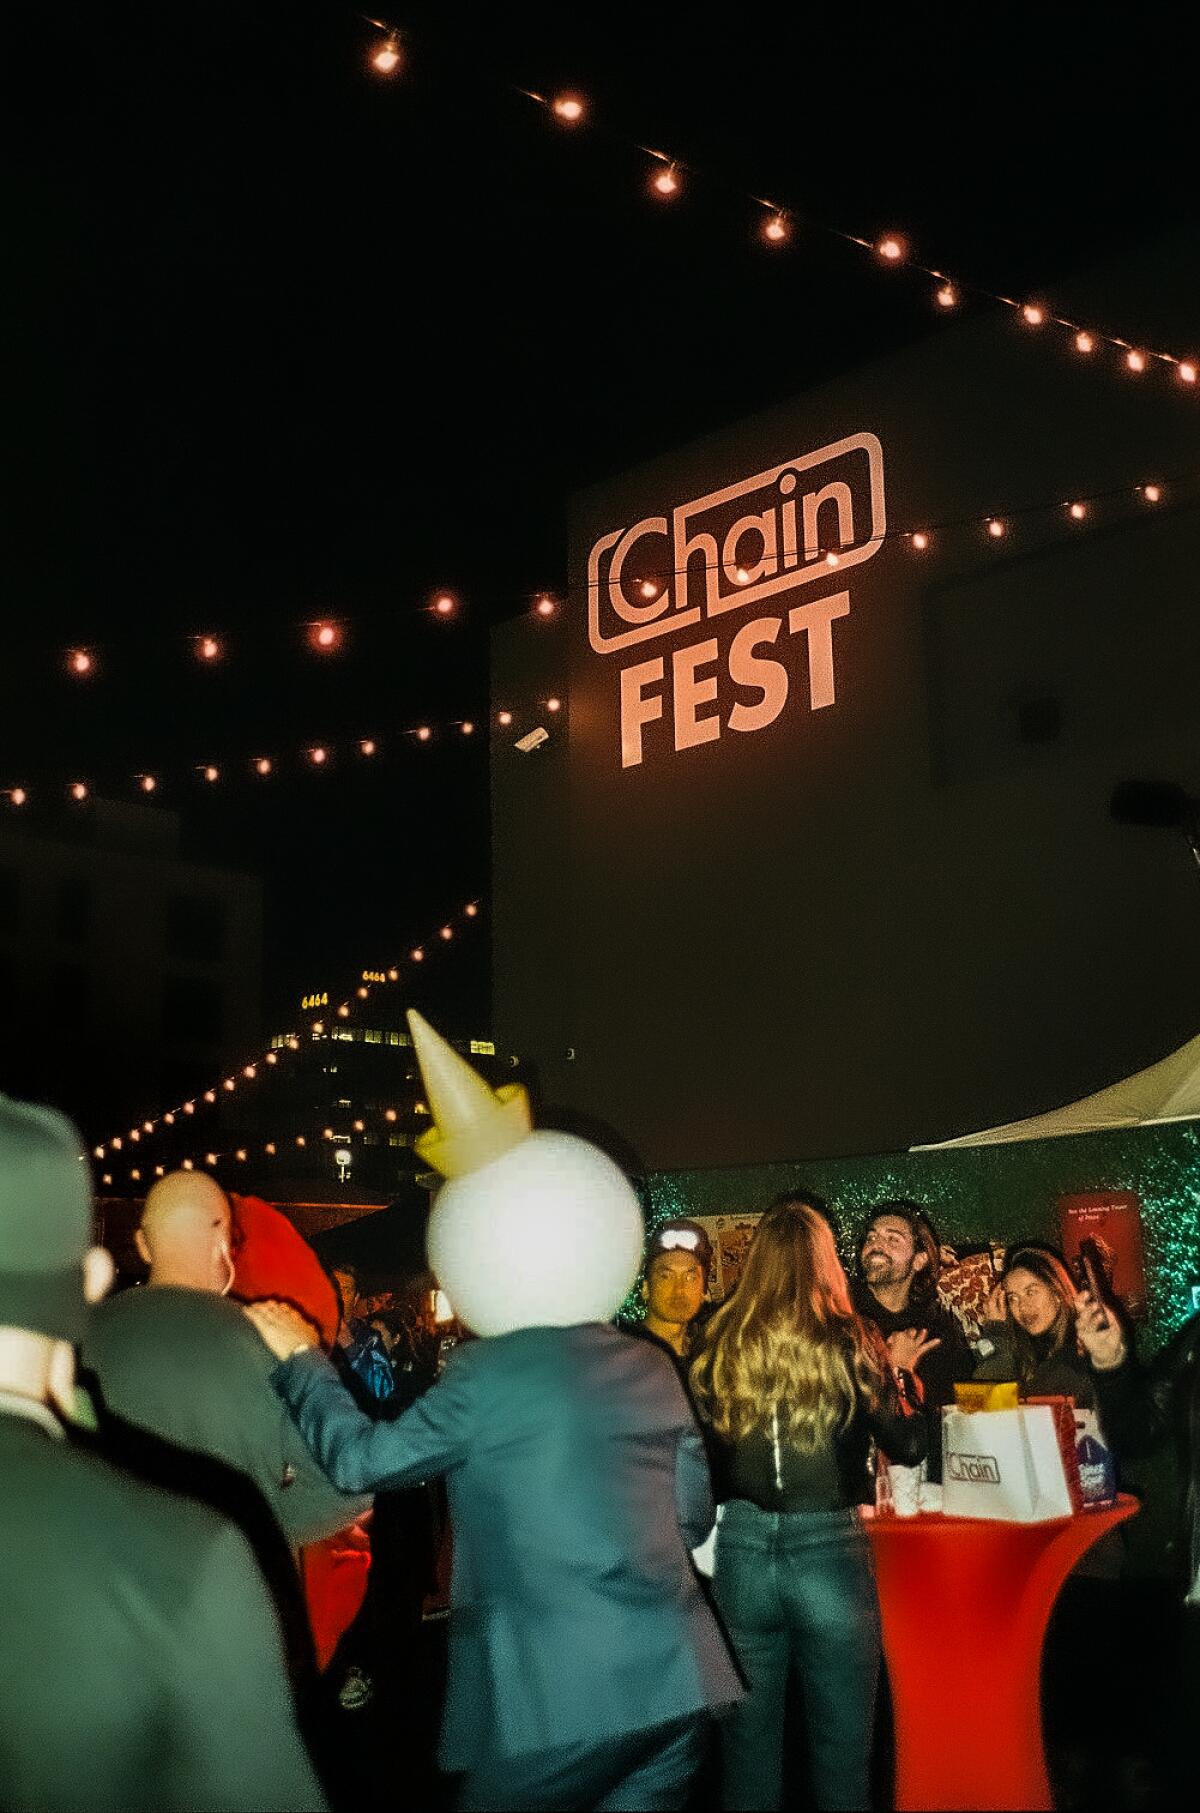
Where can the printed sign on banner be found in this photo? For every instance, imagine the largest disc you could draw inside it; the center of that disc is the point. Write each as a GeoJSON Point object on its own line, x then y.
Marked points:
{"type": "Point", "coordinates": [1113, 1219]}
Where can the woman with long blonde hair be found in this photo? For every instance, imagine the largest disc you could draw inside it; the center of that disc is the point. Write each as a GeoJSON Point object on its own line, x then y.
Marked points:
{"type": "Point", "coordinates": [794, 1387]}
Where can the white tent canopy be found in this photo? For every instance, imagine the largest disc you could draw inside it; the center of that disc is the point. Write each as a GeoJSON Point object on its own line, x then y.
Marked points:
{"type": "Point", "coordinates": [1167, 1091]}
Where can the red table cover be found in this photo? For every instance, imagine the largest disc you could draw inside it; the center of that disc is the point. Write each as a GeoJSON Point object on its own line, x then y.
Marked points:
{"type": "Point", "coordinates": [965, 1604]}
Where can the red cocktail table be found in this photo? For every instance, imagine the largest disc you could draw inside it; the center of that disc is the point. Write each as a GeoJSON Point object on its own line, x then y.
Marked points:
{"type": "Point", "coordinates": [965, 1605]}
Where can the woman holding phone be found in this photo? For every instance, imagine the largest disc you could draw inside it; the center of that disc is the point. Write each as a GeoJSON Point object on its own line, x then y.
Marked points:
{"type": "Point", "coordinates": [1030, 1329]}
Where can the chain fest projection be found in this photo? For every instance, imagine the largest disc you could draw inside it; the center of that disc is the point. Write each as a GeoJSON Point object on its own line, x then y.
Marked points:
{"type": "Point", "coordinates": [761, 539]}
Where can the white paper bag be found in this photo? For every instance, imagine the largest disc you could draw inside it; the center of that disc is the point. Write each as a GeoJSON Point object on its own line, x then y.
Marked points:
{"type": "Point", "coordinates": [1004, 1464]}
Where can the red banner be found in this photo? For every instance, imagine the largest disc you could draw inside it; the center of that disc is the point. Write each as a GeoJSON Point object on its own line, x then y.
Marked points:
{"type": "Point", "coordinates": [1113, 1219]}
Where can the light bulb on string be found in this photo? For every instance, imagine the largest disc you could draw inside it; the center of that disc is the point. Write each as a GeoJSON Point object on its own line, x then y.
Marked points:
{"type": "Point", "coordinates": [393, 975]}
{"type": "Point", "coordinates": [147, 783]}
{"type": "Point", "coordinates": [318, 756]}
{"type": "Point", "coordinates": [367, 746]}
{"type": "Point", "coordinates": [211, 774]}
{"type": "Point", "coordinates": [544, 605]}
{"type": "Point", "coordinates": [325, 637]}
{"type": "Point", "coordinates": [272, 1057]}
{"type": "Point", "coordinates": [995, 527]}
{"type": "Point", "coordinates": [891, 247]}
{"type": "Point", "coordinates": [362, 992]}
{"type": "Point", "coordinates": [467, 727]}
{"type": "Point", "coordinates": [444, 605]}
{"type": "Point", "coordinates": [648, 589]}
{"type": "Point", "coordinates": [1135, 360]}
{"type": "Point", "coordinates": [81, 662]}
{"type": "Point", "coordinates": [417, 954]}
{"type": "Point", "coordinates": [1187, 371]}
{"type": "Point", "coordinates": [920, 540]}
{"type": "Point", "coordinates": [553, 704]}
{"type": "Point", "coordinates": [210, 1096]}
{"type": "Point", "coordinates": [1151, 493]}
{"type": "Point", "coordinates": [946, 296]}
{"type": "Point", "coordinates": [471, 909]}
{"type": "Point", "coordinates": [775, 230]}
{"type": "Point", "coordinates": [1077, 512]}
{"type": "Point", "coordinates": [1033, 314]}
{"type": "Point", "coordinates": [665, 182]}
{"type": "Point", "coordinates": [446, 932]}
{"type": "Point", "coordinates": [832, 558]}
{"type": "Point", "coordinates": [250, 1071]}
{"type": "Point", "coordinates": [504, 719]}
{"type": "Point", "coordinates": [269, 1148]}
{"type": "Point", "coordinates": [1084, 343]}
{"type": "Point", "coordinates": [262, 765]}
{"type": "Point", "coordinates": [78, 790]}
{"type": "Point", "coordinates": [189, 1164]}
{"type": "Point", "coordinates": [208, 648]}
{"type": "Point", "coordinates": [230, 1084]}
{"type": "Point", "coordinates": [569, 108]}
{"type": "Point", "coordinates": [423, 734]}
{"type": "Point", "coordinates": [386, 58]}
{"type": "Point", "coordinates": [17, 795]}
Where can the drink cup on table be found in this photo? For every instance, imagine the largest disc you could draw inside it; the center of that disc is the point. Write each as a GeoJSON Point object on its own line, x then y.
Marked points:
{"type": "Point", "coordinates": [906, 1490]}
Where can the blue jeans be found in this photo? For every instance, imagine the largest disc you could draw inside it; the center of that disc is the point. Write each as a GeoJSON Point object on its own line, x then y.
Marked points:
{"type": "Point", "coordinates": [797, 1590]}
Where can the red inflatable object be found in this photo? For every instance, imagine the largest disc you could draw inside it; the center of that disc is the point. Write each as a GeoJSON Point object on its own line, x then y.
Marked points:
{"type": "Point", "coordinates": [271, 1259]}
{"type": "Point", "coordinates": [965, 1605]}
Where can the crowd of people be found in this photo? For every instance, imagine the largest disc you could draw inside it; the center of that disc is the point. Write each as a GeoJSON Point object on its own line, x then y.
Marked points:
{"type": "Point", "coordinates": [660, 1568]}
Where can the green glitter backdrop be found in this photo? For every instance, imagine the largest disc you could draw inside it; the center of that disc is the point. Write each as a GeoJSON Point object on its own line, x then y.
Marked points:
{"type": "Point", "coordinates": [1006, 1193]}
{"type": "Point", "coordinates": [979, 1193]}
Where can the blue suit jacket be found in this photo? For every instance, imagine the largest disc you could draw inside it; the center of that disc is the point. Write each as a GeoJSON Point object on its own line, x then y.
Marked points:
{"type": "Point", "coordinates": [577, 1484]}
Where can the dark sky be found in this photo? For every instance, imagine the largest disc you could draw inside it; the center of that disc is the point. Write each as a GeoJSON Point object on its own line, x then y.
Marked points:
{"type": "Point", "coordinates": [292, 340]}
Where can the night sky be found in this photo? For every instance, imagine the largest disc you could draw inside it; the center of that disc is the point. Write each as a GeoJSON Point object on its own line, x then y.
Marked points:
{"type": "Point", "coordinates": [291, 340]}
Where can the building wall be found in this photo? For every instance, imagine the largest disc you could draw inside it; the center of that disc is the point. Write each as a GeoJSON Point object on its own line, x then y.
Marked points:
{"type": "Point", "coordinates": [128, 972]}
{"type": "Point", "coordinates": [904, 913]}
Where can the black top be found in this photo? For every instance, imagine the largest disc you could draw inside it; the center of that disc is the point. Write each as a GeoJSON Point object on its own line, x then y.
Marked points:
{"type": "Point", "coordinates": [940, 1370]}
{"type": "Point", "coordinates": [778, 1477]}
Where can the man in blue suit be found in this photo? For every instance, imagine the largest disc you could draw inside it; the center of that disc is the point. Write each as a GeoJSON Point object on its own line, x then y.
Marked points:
{"type": "Point", "coordinates": [584, 1661]}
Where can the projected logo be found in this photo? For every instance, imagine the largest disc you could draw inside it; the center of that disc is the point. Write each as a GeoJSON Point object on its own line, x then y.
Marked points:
{"type": "Point", "coordinates": [806, 520]}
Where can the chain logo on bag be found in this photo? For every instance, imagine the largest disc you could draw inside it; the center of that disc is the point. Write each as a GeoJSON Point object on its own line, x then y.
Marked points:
{"type": "Point", "coordinates": [976, 1469]}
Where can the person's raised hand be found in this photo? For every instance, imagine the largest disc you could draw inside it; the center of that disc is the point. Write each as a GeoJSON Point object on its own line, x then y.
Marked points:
{"type": "Point", "coordinates": [1099, 1333]}
{"type": "Point", "coordinates": [908, 1347]}
{"type": "Point", "coordinates": [283, 1328]}
{"type": "Point", "coordinates": [996, 1307]}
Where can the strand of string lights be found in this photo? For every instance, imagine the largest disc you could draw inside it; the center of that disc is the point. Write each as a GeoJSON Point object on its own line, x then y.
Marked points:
{"type": "Point", "coordinates": [331, 1013]}
{"type": "Point", "coordinates": [85, 664]}
{"type": "Point", "coordinates": [308, 758]}
{"type": "Point", "coordinates": [780, 223]}
{"type": "Point", "coordinates": [649, 579]}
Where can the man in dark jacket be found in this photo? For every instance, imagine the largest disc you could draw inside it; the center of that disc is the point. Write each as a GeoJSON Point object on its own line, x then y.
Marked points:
{"type": "Point", "coordinates": [140, 1658]}
{"type": "Point", "coordinates": [896, 1289]}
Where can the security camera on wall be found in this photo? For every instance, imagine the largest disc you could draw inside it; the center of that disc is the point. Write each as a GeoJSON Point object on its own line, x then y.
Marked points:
{"type": "Point", "coordinates": [532, 740]}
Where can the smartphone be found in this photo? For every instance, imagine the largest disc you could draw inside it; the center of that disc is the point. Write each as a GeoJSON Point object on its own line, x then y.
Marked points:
{"type": "Point", "coordinates": [1090, 1273]}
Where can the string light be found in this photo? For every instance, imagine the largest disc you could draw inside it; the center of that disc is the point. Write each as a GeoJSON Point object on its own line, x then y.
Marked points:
{"type": "Point", "coordinates": [211, 773]}
{"type": "Point", "coordinates": [386, 60]}
{"type": "Point", "coordinates": [946, 296]}
{"type": "Point", "coordinates": [666, 182]}
{"type": "Point", "coordinates": [553, 704]}
{"type": "Point", "coordinates": [262, 765]}
{"type": "Point", "coordinates": [208, 648]}
{"type": "Point", "coordinates": [78, 790]}
{"type": "Point", "coordinates": [417, 955]}
{"type": "Point", "coordinates": [318, 756]}
{"type": "Point", "coordinates": [424, 734]}
{"type": "Point", "coordinates": [504, 719]}
{"type": "Point", "coordinates": [775, 230]}
{"type": "Point", "coordinates": [325, 638]}
{"type": "Point", "coordinates": [1078, 512]}
{"type": "Point", "coordinates": [1187, 371]}
{"type": "Point", "coordinates": [569, 108]}
{"type": "Point", "coordinates": [648, 589]}
{"type": "Point", "coordinates": [446, 932]}
{"type": "Point", "coordinates": [891, 247]}
{"type": "Point", "coordinates": [81, 662]}
{"type": "Point", "coordinates": [467, 727]}
{"type": "Point", "coordinates": [367, 746]}
{"type": "Point", "coordinates": [995, 527]}
{"type": "Point", "coordinates": [920, 540]}
{"type": "Point", "coordinates": [545, 606]}
{"type": "Point", "coordinates": [1136, 361]}
{"type": "Point", "coordinates": [1151, 493]}
{"type": "Point", "coordinates": [444, 605]}
{"type": "Point", "coordinates": [1033, 314]}
{"type": "Point", "coordinates": [1084, 343]}
{"type": "Point", "coordinates": [148, 783]}
{"type": "Point", "coordinates": [17, 795]}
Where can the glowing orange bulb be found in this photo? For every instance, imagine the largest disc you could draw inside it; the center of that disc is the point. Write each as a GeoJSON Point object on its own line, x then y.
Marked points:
{"type": "Point", "coordinates": [1135, 360]}
{"type": "Point", "coordinates": [344, 1011]}
{"type": "Point", "coordinates": [1151, 493]}
{"type": "Point", "coordinates": [920, 540]}
{"type": "Point", "coordinates": [263, 765]}
{"type": "Point", "coordinates": [135, 1134]}
{"type": "Point", "coordinates": [446, 932]}
{"type": "Point", "coordinates": [208, 648]}
{"type": "Point", "coordinates": [272, 1057]}
{"type": "Point", "coordinates": [269, 1148]}
{"type": "Point", "coordinates": [553, 704]}
{"type": "Point", "coordinates": [148, 1126]}
{"type": "Point", "coordinates": [189, 1107]}
{"type": "Point", "coordinates": [78, 790]}
{"type": "Point", "coordinates": [17, 795]}
{"type": "Point", "coordinates": [148, 783]}
{"type": "Point", "coordinates": [831, 559]}
{"type": "Point", "coordinates": [325, 637]}
{"type": "Point", "coordinates": [240, 1155]}
{"type": "Point", "coordinates": [666, 182]}
{"type": "Point", "coordinates": [249, 1071]}
{"type": "Point", "coordinates": [1084, 343]}
{"type": "Point", "coordinates": [210, 1096]}
{"type": "Point", "coordinates": [367, 746]}
{"type": "Point", "coordinates": [995, 527]}
{"type": "Point", "coordinates": [169, 1120]}
{"type": "Point", "coordinates": [135, 1176]}
{"type": "Point", "coordinates": [471, 910]}
{"type": "Point", "coordinates": [569, 108]}
{"type": "Point", "coordinates": [545, 606]}
{"type": "Point", "coordinates": [318, 1027]}
{"type": "Point", "coordinates": [159, 1171]}
{"type": "Point", "coordinates": [424, 734]}
{"type": "Point", "coordinates": [891, 247]}
{"type": "Point", "coordinates": [742, 576]}
{"type": "Point", "coordinates": [211, 773]}
{"type": "Point", "coordinates": [417, 955]}
{"type": "Point", "coordinates": [318, 756]}
{"type": "Point", "coordinates": [648, 589]}
{"type": "Point", "coordinates": [300, 1140]}
{"type": "Point", "coordinates": [504, 718]}
{"type": "Point", "coordinates": [98, 1152]}
{"type": "Point", "coordinates": [776, 229]}
{"type": "Point", "coordinates": [210, 1158]}
{"type": "Point", "coordinates": [230, 1082]}
{"type": "Point", "coordinates": [393, 975]}
{"type": "Point", "coordinates": [107, 1178]}
{"type": "Point", "coordinates": [389, 1114]}
{"type": "Point", "coordinates": [293, 1043]}
{"type": "Point", "coordinates": [80, 661]}
{"type": "Point", "coordinates": [188, 1165]}
{"type": "Point", "coordinates": [1187, 371]}
{"type": "Point", "coordinates": [1033, 314]}
{"type": "Point", "coordinates": [1078, 512]}
{"type": "Point", "coordinates": [362, 993]}
{"type": "Point", "coordinates": [387, 58]}
{"type": "Point", "coordinates": [947, 296]}
{"type": "Point", "coordinates": [444, 605]}
{"type": "Point", "coordinates": [116, 1143]}
{"type": "Point", "coordinates": [358, 1126]}
{"type": "Point", "coordinates": [467, 727]}
{"type": "Point", "coordinates": [327, 1133]}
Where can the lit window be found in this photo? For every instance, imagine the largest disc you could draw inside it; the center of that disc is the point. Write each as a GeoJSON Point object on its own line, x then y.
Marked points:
{"type": "Point", "coordinates": [371, 1036]}
{"type": "Point", "coordinates": [483, 1048]}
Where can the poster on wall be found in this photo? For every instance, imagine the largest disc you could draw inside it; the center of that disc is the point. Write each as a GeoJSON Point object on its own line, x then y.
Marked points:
{"type": "Point", "coordinates": [1113, 1219]}
{"type": "Point", "coordinates": [730, 1236]}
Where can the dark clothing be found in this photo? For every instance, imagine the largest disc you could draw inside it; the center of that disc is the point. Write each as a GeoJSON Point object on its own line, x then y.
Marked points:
{"type": "Point", "coordinates": [797, 1591]}
{"type": "Point", "coordinates": [775, 1476]}
{"type": "Point", "coordinates": [577, 1485]}
{"type": "Point", "coordinates": [188, 1367]}
{"type": "Point", "coordinates": [1142, 1407]}
{"type": "Point", "coordinates": [942, 1368]}
{"type": "Point", "coordinates": [140, 1659]}
{"type": "Point", "coordinates": [1064, 1374]}
{"type": "Point", "coordinates": [650, 1770]}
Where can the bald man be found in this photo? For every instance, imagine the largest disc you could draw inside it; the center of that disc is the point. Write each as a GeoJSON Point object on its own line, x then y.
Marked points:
{"type": "Point", "coordinates": [173, 1359]}
{"type": "Point", "coordinates": [186, 1233]}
